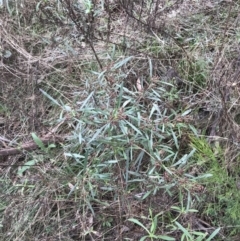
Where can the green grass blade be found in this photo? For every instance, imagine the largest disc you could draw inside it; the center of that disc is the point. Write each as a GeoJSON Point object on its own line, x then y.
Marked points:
{"type": "Point", "coordinates": [39, 142]}
{"type": "Point", "coordinates": [213, 234]}
{"type": "Point", "coordinates": [139, 224]}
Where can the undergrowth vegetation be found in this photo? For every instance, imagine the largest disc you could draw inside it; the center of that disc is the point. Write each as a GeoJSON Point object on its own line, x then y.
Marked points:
{"type": "Point", "coordinates": [119, 120]}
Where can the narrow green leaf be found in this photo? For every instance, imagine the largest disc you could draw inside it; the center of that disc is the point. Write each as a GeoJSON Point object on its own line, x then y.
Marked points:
{"type": "Point", "coordinates": [50, 97]}
{"type": "Point", "coordinates": [181, 161]}
{"type": "Point", "coordinates": [111, 161]}
{"type": "Point", "coordinates": [74, 155]}
{"type": "Point", "coordinates": [201, 234]}
{"type": "Point", "coordinates": [184, 159]}
{"type": "Point", "coordinates": [98, 132]}
{"type": "Point", "coordinates": [120, 95]}
{"type": "Point", "coordinates": [86, 100]}
{"type": "Point", "coordinates": [164, 237]}
{"type": "Point", "coordinates": [143, 238]}
{"type": "Point", "coordinates": [138, 223]}
{"type": "Point", "coordinates": [121, 63]}
{"type": "Point", "coordinates": [39, 142]}
{"type": "Point", "coordinates": [26, 166]}
{"type": "Point", "coordinates": [201, 238]}
{"type": "Point", "coordinates": [194, 130]}
{"type": "Point", "coordinates": [150, 68]}
{"type": "Point", "coordinates": [213, 234]}
{"type": "Point", "coordinates": [146, 195]}
{"type": "Point", "coordinates": [126, 103]}
{"type": "Point", "coordinates": [8, 8]}
{"type": "Point", "coordinates": [184, 230]}
{"type": "Point", "coordinates": [189, 201]}
{"type": "Point", "coordinates": [123, 128]}
{"type": "Point", "coordinates": [154, 225]}
{"type": "Point", "coordinates": [38, 6]}
{"type": "Point", "coordinates": [156, 93]}
{"type": "Point", "coordinates": [51, 146]}
{"type": "Point", "coordinates": [138, 131]}
{"type": "Point", "coordinates": [152, 111]}
{"type": "Point", "coordinates": [186, 112]}
{"type": "Point", "coordinates": [207, 175]}
{"type": "Point", "coordinates": [175, 139]}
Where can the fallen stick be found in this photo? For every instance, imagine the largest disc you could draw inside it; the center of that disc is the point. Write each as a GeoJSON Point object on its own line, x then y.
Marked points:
{"type": "Point", "coordinates": [29, 146]}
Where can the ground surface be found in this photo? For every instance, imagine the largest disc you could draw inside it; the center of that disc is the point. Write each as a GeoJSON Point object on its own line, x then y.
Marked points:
{"type": "Point", "coordinates": [119, 120]}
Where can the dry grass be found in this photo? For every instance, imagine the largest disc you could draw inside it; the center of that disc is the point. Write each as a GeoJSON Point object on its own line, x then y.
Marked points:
{"type": "Point", "coordinates": [144, 96]}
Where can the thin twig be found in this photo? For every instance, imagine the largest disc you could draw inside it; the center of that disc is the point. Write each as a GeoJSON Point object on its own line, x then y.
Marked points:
{"type": "Point", "coordinates": [29, 146]}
